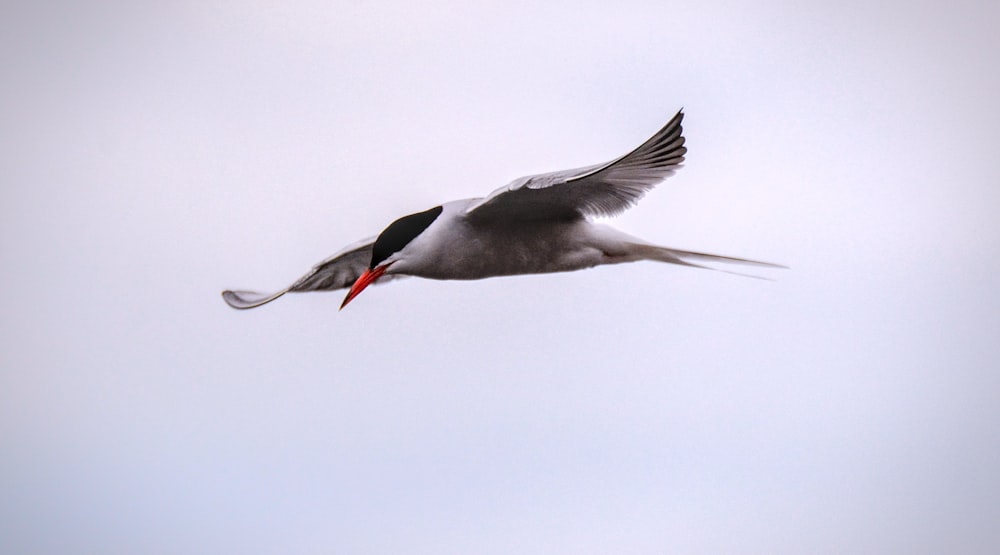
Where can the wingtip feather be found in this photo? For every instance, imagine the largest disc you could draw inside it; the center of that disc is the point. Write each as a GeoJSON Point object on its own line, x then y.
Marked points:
{"type": "Point", "coordinates": [242, 300]}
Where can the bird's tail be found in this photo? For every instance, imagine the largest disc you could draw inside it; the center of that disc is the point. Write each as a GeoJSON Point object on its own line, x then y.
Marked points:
{"type": "Point", "coordinates": [684, 258]}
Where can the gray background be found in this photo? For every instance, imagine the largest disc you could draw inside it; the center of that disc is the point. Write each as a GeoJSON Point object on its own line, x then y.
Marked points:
{"type": "Point", "coordinates": [153, 155]}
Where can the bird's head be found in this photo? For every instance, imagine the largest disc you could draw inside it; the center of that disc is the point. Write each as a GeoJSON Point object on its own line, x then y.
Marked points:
{"type": "Point", "coordinates": [388, 248]}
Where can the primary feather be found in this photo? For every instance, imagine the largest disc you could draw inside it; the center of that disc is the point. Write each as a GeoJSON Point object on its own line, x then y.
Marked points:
{"type": "Point", "coordinates": [600, 190]}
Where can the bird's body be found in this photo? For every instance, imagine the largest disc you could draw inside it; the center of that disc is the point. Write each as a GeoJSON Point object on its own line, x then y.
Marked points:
{"type": "Point", "coordinates": [536, 224]}
{"type": "Point", "coordinates": [455, 247]}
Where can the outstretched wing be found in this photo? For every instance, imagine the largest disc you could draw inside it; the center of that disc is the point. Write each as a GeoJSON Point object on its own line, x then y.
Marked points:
{"type": "Point", "coordinates": [337, 272]}
{"type": "Point", "coordinates": [601, 190]}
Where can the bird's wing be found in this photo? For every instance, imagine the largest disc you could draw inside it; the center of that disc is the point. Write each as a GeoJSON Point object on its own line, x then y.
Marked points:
{"type": "Point", "coordinates": [601, 190]}
{"type": "Point", "coordinates": [337, 272]}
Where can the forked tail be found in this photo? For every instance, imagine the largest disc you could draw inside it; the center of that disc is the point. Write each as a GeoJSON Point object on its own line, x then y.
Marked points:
{"type": "Point", "coordinates": [683, 258]}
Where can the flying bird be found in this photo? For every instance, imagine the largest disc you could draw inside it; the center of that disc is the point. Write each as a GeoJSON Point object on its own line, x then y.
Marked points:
{"type": "Point", "coordinates": [536, 224]}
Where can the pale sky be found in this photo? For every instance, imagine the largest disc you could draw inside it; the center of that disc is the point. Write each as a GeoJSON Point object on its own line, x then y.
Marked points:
{"type": "Point", "coordinates": [153, 156]}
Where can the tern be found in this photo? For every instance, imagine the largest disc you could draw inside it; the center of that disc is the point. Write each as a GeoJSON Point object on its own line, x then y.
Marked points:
{"type": "Point", "coordinates": [535, 224]}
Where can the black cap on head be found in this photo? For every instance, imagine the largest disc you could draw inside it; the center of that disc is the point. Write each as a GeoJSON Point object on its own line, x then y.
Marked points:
{"type": "Point", "coordinates": [400, 232]}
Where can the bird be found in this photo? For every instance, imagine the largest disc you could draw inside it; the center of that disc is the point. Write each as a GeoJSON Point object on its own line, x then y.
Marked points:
{"type": "Point", "coordinates": [534, 225]}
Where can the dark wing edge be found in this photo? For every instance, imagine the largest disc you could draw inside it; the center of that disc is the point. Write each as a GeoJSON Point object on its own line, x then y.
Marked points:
{"type": "Point", "coordinates": [337, 272]}
{"type": "Point", "coordinates": [599, 190]}
{"type": "Point", "coordinates": [664, 149]}
{"type": "Point", "coordinates": [621, 183]}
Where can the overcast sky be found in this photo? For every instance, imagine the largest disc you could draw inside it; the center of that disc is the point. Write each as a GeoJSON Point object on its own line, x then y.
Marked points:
{"type": "Point", "coordinates": [152, 156]}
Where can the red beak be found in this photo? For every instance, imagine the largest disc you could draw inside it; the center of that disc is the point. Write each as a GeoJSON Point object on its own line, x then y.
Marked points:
{"type": "Point", "coordinates": [363, 281]}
